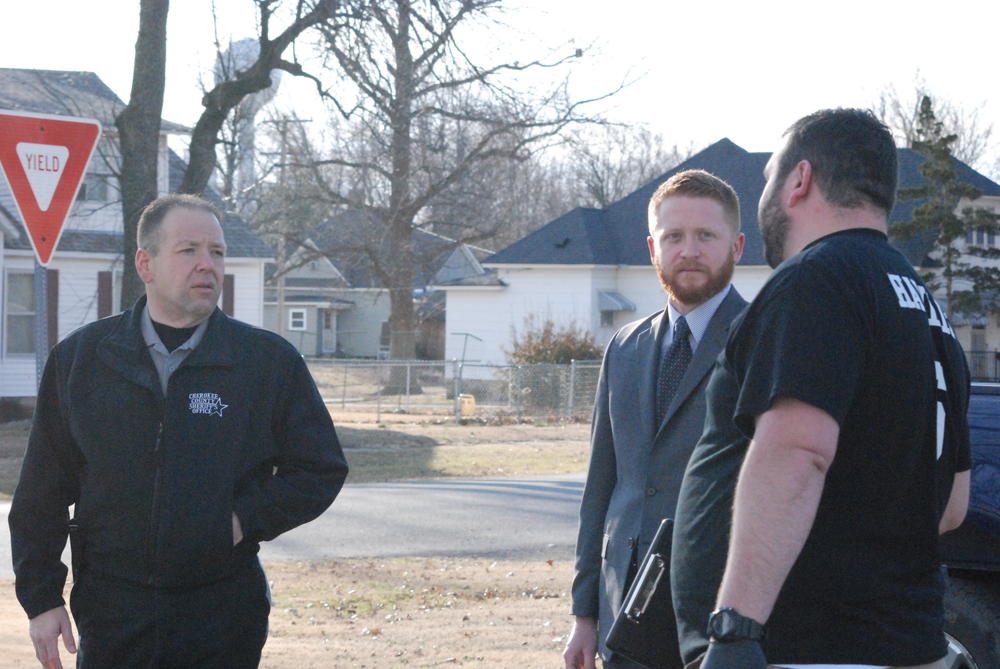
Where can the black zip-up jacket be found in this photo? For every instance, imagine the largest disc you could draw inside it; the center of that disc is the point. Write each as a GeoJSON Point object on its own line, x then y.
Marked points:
{"type": "Point", "coordinates": [156, 479]}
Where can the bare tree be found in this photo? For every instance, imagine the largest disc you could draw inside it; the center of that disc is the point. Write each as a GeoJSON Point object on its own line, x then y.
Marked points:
{"type": "Point", "coordinates": [226, 95]}
{"type": "Point", "coordinates": [900, 111]}
{"type": "Point", "coordinates": [610, 162]}
{"type": "Point", "coordinates": [420, 114]}
{"type": "Point", "coordinates": [503, 200]}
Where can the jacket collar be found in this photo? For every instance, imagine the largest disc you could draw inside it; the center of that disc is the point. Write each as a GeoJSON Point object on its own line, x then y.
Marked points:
{"type": "Point", "coordinates": [124, 349]}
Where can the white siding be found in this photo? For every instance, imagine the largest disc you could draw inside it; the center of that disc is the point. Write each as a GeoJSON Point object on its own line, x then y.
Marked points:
{"type": "Point", "coordinates": [749, 280]}
{"type": "Point", "coordinates": [248, 282]}
{"type": "Point", "coordinates": [566, 295]}
{"type": "Point", "coordinates": [17, 376]}
{"type": "Point", "coordinates": [560, 294]}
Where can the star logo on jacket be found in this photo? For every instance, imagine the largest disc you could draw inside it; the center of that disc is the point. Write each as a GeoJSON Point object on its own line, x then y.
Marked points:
{"type": "Point", "coordinates": [206, 403]}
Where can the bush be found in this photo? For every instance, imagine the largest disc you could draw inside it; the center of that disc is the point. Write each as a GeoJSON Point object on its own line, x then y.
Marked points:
{"type": "Point", "coordinates": [547, 343]}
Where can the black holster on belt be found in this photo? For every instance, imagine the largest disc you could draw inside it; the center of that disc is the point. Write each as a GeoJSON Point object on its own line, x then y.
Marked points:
{"type": "Point", "coordinates": [76, 548]}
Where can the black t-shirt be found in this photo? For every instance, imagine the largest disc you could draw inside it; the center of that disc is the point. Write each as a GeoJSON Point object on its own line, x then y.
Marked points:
{"type": "Point", "coordinates": [846, 326]}
{"type": "Point", "coordinates": [173, 337]}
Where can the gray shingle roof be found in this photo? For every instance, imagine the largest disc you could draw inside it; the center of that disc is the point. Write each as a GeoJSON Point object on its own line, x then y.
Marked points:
{"type": "Point", "coordinates": [617, 234]}
{"type": "Point", "coordinates": [342, 238]}
{"type": "Point", "coordinates": [488, 279]}
{"type": "Point", "coordinates": [64, 93]}
{"type": "Point", "coordinates": [87, 241]}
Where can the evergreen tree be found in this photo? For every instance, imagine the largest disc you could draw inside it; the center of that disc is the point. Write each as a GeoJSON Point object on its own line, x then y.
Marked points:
{"type": "Point", "coordinates": [970, 287]}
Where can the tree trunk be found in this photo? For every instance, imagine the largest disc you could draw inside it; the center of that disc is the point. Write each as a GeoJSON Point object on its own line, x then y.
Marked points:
{"type": "Point", "coordinates": [201, 154]}
{"type": "Point", "coordinates": [139, 133]}
{"type": "Point", "coordinates": [402, 321]}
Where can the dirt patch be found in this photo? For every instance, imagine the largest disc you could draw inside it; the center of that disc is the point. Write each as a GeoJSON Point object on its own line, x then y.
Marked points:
{"type": "Point", "coordinates": [367, 614]}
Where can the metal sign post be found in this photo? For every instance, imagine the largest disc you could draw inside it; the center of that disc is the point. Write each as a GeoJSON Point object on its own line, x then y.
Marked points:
{"type": "Point", "coordinates": [41, 321]}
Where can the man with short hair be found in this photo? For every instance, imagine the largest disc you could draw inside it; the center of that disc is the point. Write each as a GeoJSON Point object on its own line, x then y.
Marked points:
{"type": "Point", "coordinates": [836, 438]}
{"type": "Point", "coordinates": [184, 438]}
{"type": "Point", "coordinates": [649, 409]}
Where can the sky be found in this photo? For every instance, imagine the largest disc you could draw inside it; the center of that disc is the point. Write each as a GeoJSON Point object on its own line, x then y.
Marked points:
{"type": "Point", "coordinates": [699, 71]}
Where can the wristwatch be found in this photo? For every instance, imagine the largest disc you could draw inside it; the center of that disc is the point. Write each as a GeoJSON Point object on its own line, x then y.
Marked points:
{"type": "Point", "coordinates": [727, 625]}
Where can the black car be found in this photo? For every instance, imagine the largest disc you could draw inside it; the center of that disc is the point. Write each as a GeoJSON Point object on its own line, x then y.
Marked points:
{"type": "Point", "coordinates": [972, 552]}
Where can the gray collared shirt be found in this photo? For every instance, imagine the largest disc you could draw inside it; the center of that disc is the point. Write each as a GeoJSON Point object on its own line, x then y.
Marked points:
{"type": "Point", "coordinates": [697, 319]}
{"type": "Point", "coordinates": [167, 362]}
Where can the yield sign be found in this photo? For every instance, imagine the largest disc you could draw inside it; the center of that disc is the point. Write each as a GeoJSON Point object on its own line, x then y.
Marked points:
{"type": "Point", "coordinates": [44, 158]}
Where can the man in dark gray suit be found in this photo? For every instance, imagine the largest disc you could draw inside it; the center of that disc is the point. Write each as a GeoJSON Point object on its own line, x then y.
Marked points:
{"type": "Point", "coordinates": [650, 404]}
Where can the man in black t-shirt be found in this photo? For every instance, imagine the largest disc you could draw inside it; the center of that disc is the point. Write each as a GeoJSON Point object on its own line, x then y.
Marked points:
{"type": "Point", "coordinates": [840, 404]}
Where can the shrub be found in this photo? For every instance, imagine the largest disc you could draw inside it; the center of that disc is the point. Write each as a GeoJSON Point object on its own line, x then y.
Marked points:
{"type": "Point", "coordinates": [547, 343]}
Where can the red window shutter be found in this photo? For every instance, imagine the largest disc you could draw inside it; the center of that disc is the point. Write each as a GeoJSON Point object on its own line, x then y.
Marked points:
{"type": "Point", "coordinates": [52, 295]}
{"type": "Point", "coordinates": [104, 293]}
{"type": "Point", "coordinates": [228, 289]}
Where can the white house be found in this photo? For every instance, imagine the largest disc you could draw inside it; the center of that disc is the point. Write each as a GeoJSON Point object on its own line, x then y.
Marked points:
{"type": "Point", "coordinates": [590, 267]}
{"type": "Point", "coordinates": [333, 302]}
{"type": "Point", "coordinates": [84, 276]}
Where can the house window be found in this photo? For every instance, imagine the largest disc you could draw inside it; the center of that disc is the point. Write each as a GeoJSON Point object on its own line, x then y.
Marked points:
{"type": "Point", "coordinates": [296, 319]}
{"type": "Point", "coordinates": [607, 319]}
{"type": "Point", "coordinates": [981, 237]}
{"type": "Point", "coordinates": [19, 321]}
{"type": "Point", "coordinates": [94, 188]}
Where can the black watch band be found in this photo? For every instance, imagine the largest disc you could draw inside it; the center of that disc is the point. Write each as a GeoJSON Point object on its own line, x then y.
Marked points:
{"type": "Point", "coordinates": [726, 625]}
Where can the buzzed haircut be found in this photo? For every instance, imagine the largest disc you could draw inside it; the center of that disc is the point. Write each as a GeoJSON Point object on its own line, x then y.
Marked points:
{"type": "Point", "coordinates": [698, 183]}
{"type": "Point", "coordinates": [148, 230]}
{"type": "Point", "coordinates": [852, 154]}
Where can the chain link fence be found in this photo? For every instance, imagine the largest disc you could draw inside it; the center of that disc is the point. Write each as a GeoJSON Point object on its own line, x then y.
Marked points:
{"type": "Point", "coordinates": [450, 388]}
{"type": "Point", "coordinates": [463, 390]}
{"type": "Point", "coordinates": [984, 365]}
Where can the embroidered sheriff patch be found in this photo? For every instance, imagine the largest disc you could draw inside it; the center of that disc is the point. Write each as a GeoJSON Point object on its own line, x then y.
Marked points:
{"type": "Point", "coordinates": [206, 403]}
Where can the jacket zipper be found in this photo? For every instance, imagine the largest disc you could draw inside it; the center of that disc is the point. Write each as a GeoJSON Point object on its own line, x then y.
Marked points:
{"type": "Point", "coordinates": [154, 511]}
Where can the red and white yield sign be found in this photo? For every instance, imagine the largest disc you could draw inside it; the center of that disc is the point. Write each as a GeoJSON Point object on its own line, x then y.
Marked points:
{"type": "Point", "coordinates": [44, 158]}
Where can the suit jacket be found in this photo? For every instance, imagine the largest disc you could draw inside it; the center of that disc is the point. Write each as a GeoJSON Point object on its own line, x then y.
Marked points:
{"type": "Point", "coordinates": [636, 468]}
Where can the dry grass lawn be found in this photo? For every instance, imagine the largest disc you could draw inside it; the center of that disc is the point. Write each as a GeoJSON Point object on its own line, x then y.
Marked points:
{"type": "Point", "coordinates": [415, 450]}
{"type": "Point", "coordinates": [368, 614]}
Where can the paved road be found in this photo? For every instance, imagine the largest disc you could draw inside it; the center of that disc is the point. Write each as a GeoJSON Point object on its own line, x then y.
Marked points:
{"type": "Point", "coordinates": [525, 517]}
